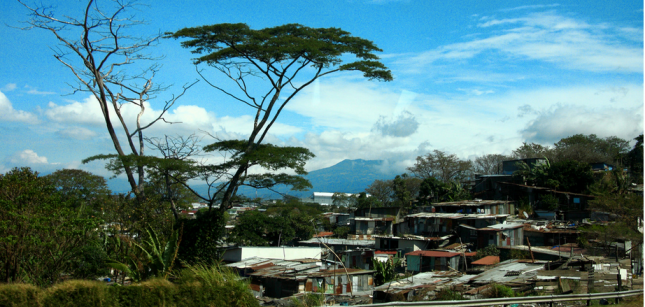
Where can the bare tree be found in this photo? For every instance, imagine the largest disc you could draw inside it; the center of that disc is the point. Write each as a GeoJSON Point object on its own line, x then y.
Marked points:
{"type": "Point", "coordinates": [95, 45]}
{"type": "Point", "coordinates": [443, 166]}
{"type": "Point", "coordinates": [489, 164]}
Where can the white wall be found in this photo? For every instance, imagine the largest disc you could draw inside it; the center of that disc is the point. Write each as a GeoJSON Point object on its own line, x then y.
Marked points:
{"type": "Point", "coordinates": [284, 253]}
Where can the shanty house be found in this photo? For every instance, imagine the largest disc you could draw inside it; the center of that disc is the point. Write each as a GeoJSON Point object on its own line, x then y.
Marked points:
{"type": "Point", "coordinates": [500, 235]}
{"type": "Point", "coordinates": [408, 243]}
{"type": "Point", "coordinates": [424, 261]}
{"type": "Point", "coordinates": [370, 226]}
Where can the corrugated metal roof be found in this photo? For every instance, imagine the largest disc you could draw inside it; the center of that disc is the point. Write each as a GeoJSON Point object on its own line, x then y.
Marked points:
{"type": "Point", "coordinates": [498, 274]}
{"type": "Point", "coordinates": [387, 219]}
{"type": "Point", "coordinates": [413, 237]}
{"type": "Point", "coordinates": [330, 241]}
{"type": "Point", "coordinates": [323, 273]}
{"type": "Point", "coordinates": [455, 216]}
{"type": "Point", "coordinates": [435, 254]}
{"type": "Point", "coordinates": [470, 203]}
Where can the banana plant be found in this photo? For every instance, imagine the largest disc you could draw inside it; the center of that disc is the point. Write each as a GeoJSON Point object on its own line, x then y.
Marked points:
{"type": "Point", "coordinates": [157, 259]}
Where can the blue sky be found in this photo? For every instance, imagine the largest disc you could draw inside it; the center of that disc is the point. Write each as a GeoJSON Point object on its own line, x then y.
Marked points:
{"type": "Point", "coordinates": [471, 78]}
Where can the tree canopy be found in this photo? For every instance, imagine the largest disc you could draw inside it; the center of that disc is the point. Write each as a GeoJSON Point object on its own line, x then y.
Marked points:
{"type": "Point", "coordinates": [441, 165]}
{"type": "Point", "coordinates": [283, 60]}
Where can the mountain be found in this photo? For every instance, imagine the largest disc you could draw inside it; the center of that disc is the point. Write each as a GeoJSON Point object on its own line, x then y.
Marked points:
{"type": "Point", "coordinates": [347, 176]}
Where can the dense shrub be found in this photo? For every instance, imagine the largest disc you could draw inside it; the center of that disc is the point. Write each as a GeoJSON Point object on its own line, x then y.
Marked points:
{"type": "Point", "coordinates": [18, 295]}
{"type": "Point", "coordinates": [195, 286]}
{"type": "Point", "coordinates": [449, 294]}
{"type": "Point", "coordinates": [497, 291]}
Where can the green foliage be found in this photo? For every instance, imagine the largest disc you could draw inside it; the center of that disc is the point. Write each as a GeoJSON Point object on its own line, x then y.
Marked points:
{"type": "Point", "coordinates": [308, 300]}
{"type": "Point", "coordinates": [156, 260]}
{"type": "Point", "coordinates": [226, 43]}
{"type": "Point", "coordinates": [79, 188]}
{"type": "Point", "coordinates": [434, 190]}
{"type": "Point", "coordinates": [204, 234]}
{"type": "Point", "coordinates": [18, 295]}
{"type": "Point", "coordinates": [385, 271]}
{"type": "Point", "coordinates": [531, 150]}
{"type": "Point", "coordinates": [634, 160]}
{"type": "Point", "coordinates": [343, 200]}
{"type": "Point", "coordinates": [549, 202]}
{"type": "Point", "coordinates": [89, 262]}
{"type": "Point", "coordinates": [568, 175]}
{"type": "Point", "coordinates": [382, 190]}
{"type": "Point", "coordinates": [449, 294]}
{"type": "Point", "coordinates": [283, 58]}
{"type": "Point", "coordinates": [580, 148]}
{"type": "Point", "coordinates": [406, 189]}
{"type": "Point", "coordinates": [77, 293]}
{"type": "Point", "coordinates": [628, 208]}
{"type": "Point", "coordinates": [519, 254]}
{"type": "Point", "coordinates": [195, 286]}
{"type": "Point", "coordinates": [490, 250]}
{"type": "Point", "coordinates": [221, 286]}
{"type": "Point", "coordinates": [281, 224]}
{"type": "Point", "coordinates": [590, 149]}
{"type": "Point", "coordinates": [497, 291]}
{"type": "Point", "coordinates": [365, 202]}
{"type": "Point", "coordinates": [341, 232]}
{"type": "Point", "coordinates": [39, 233]}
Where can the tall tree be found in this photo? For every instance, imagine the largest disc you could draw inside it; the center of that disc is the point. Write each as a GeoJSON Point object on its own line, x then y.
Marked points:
{"type": "Point", "coordinates": [78, 187]}
{"type": "Point", "coordinates": [382, 190]}
{"type": "Point", "coordinates": [443, 166]}
{"type": "Point", "coordinates": [406, 189]}
{"type": "Point", "coordinates": [97, 44]}
{"type": "Point", "coordinates": [489, 164]}
{"type": "Point", "coordinates": [590, 149]}
{"type": "Point", "coordinates": [635, 160]}
{"type": "Point", "coordinates": [40, 234]}
{"type": "Point", "coordinates": [532, 150]}
{"type": "Point", "coordinates": [286, 59]}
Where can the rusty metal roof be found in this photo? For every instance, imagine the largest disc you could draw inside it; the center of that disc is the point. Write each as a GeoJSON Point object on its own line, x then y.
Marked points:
{"type": "Point", "coordinates": [488, 260]}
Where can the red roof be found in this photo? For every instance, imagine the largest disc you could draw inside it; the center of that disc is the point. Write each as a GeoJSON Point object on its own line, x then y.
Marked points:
{"type": "Point", "coordinates": [488, 260]}
{"type": "Point", "coordinates": [435, 254]}
{"type": "Point", "coordinates": [471, 254]}
{"type": "Point", "coordinates": [323, 234]}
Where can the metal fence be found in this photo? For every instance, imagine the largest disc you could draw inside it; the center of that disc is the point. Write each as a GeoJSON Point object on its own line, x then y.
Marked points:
{"type": "Point", "coordinates": [516, 300]}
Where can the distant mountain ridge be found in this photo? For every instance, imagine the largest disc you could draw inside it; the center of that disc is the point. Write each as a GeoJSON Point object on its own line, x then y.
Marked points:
{"type": "Point", "coordinates": [347, 176]}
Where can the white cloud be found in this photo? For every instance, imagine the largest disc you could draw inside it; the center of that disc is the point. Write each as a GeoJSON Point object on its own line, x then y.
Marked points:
{"type": "Point", "coordinates": [87, 112]}
{"type": "Point", "coordinates": [8, 113]}
{"type": "Point", "coordinates": [26, 157]}
{"type": "Point", "coordinates": [404, 125]}
{"type": "Point", "coordinates": [186, 119]}
{"type": "Point", "coordinates": [346, 104]}
{"type": "Point", "coordinates": [9, 87]}
{"type": "Point", "coordinates": [547, 37]}
{"type": "Point", "coordinates": [524, 7]}
{"type": "Point", "coordinates": [77, 133]}
{"type": "Point", "coordinates": [34, 91]}
{"type": "Point", "coordinates": [566, 120]}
